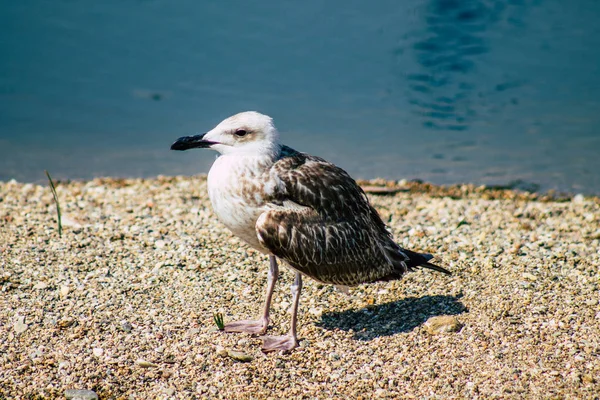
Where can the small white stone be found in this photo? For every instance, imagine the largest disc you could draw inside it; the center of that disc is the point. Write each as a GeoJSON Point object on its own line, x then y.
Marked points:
{"type": "Point", "coordinates": [145, 364]}
{"type": "Point", "coordinates": [70, 222]}
{"type": "Point", "coordinates": [20, 326]}
{"type": "Point", "coordinates": [529, 277]}
{"type": "Point", "coordinates": [159, 244]}
{"type": "Point", "coordinates": [220, 350]}
{"type": "Point", "coordinates": [64, 290]}
{"type": "Point", "coordinates": [36, 354]}
{"type": "Point", "coordinates": [41, 286]}
{"type": "Point", "coordinates": [73, 394]}
{"type": "Point", "coordinates": [98, 352]}
{"type": "Point", "coordinates": [578, 198]}
{"type": "Point", "coordinates": [316, 311]}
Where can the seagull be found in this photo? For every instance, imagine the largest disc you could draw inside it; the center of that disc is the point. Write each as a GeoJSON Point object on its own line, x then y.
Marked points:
{"type": "Point", "coordinates": [300, 209]}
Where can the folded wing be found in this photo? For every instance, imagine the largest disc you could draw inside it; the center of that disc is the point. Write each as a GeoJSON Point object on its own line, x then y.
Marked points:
{"type": "Point", "coordinates": [321, 223]}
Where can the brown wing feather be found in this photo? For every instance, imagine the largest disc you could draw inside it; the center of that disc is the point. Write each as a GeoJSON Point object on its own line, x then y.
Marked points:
{"type": "Point", "coordinates": [329, 190]}
{"type": "Point", "coordinates": [336, 236]}
{"type": "Point", "coordinates": [337, 253]}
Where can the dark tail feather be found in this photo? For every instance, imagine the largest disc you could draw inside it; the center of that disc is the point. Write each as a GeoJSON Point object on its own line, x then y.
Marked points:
{"type": "Point", "coordinates": [422, 260]}
{"type": "Point", "coordinates": [436, 268]}
{"type": "Point", "coordinates": [398, 258]}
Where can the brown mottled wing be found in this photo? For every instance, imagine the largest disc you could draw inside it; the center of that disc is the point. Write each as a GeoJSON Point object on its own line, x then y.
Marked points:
{"type": "Point", "coordinates": [322, 225]}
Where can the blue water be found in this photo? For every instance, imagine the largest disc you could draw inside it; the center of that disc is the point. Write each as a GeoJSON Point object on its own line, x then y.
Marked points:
{"type": "Point", "coordinates": [447, 91]}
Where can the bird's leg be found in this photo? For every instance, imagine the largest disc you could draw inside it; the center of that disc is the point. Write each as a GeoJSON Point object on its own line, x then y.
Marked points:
{"type": "Point", "coordinates": [259, 326]}
{"type": "Point", "coordinates": [289, 341]}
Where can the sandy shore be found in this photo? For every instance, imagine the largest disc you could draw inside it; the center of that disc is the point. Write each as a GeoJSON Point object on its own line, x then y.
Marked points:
{"type": "Point", "coordinates": [122, 304]}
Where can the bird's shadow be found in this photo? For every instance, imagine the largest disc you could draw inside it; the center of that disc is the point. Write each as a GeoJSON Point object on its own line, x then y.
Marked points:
{"type": "Point", "coordinates": [391, 318]}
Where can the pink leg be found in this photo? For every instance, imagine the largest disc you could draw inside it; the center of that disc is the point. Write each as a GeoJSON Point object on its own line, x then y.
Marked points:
{"type": "Point", "coordinates": [259, 326]}
{"type": "Point", "coordinates": [289, 341]}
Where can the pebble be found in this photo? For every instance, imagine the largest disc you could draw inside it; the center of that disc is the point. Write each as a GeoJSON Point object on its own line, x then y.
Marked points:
{"type": "Point", "coordinates": [20, 326]}
{"type": "Point", "coordinates": [70, 222]}
{"type": "Point", "coordinates": [41, 286]}
{"type": "Point", "coordinates": [145, 364]}
{"type": "Point", "coordinates": [285, 305]}
{"type": "Point", "coordinates": [64, 290]}
{"type": "Point", "coordinates": [65, 322]}
{"type": "Point", "coordinates": [221, 351]}
{"type": "Point", "coordinates": [442, 324]}
{"type": "Point", "coordinates": [234, 354]}
{"type": "Point", "coordinates": [529, 277]}
{"type": "Point", "coordinates": [316, 311]}
{"type": "Point", "coordinates": [80, 394]}
{"type": "Point", "coordinates": [239, 356]}
{"type": "Point", "coordinates": [126, 326]}
{"type": "Point", "coordinates": [587, 378]}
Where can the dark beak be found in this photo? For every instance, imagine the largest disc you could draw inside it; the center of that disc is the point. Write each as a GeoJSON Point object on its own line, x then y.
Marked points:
{"type": "Point", "coordinates": [191, 142]}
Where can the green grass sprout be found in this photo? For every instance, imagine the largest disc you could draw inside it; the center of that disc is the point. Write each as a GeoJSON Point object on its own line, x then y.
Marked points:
{"type": "Point", "coordinates": [218, 318]}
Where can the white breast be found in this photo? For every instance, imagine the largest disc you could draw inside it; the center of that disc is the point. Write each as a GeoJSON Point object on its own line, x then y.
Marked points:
{"type": "Point", "coordinates": [235, 188]}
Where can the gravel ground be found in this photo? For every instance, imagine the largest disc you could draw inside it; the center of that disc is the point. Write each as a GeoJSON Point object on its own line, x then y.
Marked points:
{"type": "Point", "coordinates": [122, 304]}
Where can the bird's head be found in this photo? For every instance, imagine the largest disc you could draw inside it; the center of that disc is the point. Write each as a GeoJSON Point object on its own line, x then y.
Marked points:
{"type": "Point", "coordinates": [249, 133]}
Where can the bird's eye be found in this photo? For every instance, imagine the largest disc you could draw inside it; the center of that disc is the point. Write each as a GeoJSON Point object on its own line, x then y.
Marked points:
{"type": "Point", "coordinates": [240, 132]}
